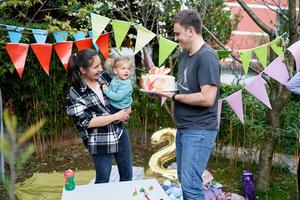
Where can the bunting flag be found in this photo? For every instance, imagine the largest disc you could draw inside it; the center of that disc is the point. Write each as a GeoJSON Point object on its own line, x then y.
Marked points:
{"type": "Point", "coordinates": [144, 36]}
{"type": "Point", "coordinates": [39, 35]}
{"type": "Point", "coordinates": [64, 50]}
{"type": "Point", "coordinates": [236, 103]}
{"type": "Point", "coordinates": [85, 43]}
{"type": "Point", "coordinates": [278, 71]}
{"type": "Point", "coordinates": [165, 49]}
{"type": "Point", "coordinates": [98, 25]}
{"type": "Point", "coordinates": [14, 33]}
{"type": "Point", "coordinates": [18, 54]}
{"type": "Point", "coordinates": [223, 53]}
{"type": "Point", "coordinates": [220, 102]}
{"type": "Point", "coordinates": [102, 43]}
{"type": "Point", "coordinates": [245, 57]}
{"type": "Point", "coordinates": [43, 53]}
{"type": "Point", "coordinates": [60, 36]}
{"type": "Point", "coordinates": [262, 54]}
{"type": "Point", "coordinates": [276, 46]}
{"type": "Point", "coordinates": [295, 50]}
{"type": "Point", "coordinates": [163, 100]}
{"type": "Point", "coordinates": [94, 43]}
{"type": "Point", "coordinates": [79, 35]}
{"type": "Point", "coordinates": [121, 29]}
{"type": "Point", "coordinates": [149, 62]}
{"type": "Point", "coordinates": [257, 89]}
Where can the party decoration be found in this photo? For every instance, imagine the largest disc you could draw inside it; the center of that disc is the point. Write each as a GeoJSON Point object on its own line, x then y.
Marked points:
{"type": "Point", "coordinates": [102, 43]}
{"type": "Point", "coordinates": [79, 35]}
{"type": "Point", "coordinates": [39, 35]}
{"type": "Point", "coordinates": [43, 53]}
{"type": "Point", "coordinates": [149, 62]}
{"type": "Point", "coordinates": [18, 53]}
{"type": "Point", "coordinates": [60, 36]}
{"type": "Point", "coordinates": [14, 33]}
{"type": "Point", "coordinates": [246, 57]}
{"type": "Point", "coordinates": [262, 54]}
{"type": "Point", "coordinates": [223, 54]}
{"type": "Point", "coordinates": [98, 25]}
{"type": "Point", "coordinates": [165, 49]}
{"type": "Point", "coordinates": [236, 103]}
{"type": "Point", "coordinates": [64, 50]}
{"type": "Point", "coordinates": [94, 43]}
{"type": "Point", "coordinates": [278, 71]}
{"type": "Point", "coordinates": [120, 31]}
{"type": "Point", "coordinates": [295, 50]}
{"type": "Point", "coordinates": [144, 36]}
{"type": "Point", "coordinates": [276, 46]}
{"type": "Point", "coordinates": [167, 153]}
{"type": "Point", "coordinates": [257, 88]}
{"type": "Point", "coordinates": [83, 44]}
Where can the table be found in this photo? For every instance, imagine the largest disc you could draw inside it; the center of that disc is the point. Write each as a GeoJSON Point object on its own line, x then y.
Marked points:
{"type": "Point", "coordinates": [117, 191]}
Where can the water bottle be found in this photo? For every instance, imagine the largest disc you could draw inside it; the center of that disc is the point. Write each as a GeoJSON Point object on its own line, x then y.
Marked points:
{"type": "Point", "coordinates": [70, 184]}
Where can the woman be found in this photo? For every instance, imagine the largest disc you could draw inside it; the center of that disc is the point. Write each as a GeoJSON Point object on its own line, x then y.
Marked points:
{"type": "Point", "coordinates": [93, 120]}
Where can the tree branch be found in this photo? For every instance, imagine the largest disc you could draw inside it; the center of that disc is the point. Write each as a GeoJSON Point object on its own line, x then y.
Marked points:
{"type": "Point", "coordinates": [260, 23]}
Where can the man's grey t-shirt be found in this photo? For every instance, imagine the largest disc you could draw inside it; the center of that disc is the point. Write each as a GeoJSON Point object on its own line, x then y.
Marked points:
{"type": "Point", "coordinates": [201, 68]}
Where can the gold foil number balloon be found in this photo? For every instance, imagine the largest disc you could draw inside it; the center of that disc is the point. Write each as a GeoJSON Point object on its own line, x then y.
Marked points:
{"type": "Point", "coordinates": [157, 160]}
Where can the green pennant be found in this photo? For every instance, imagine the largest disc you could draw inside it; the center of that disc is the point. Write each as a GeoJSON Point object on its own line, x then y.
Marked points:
{"type": "Point", "coordinates": [144, 36]}
{"type": "Point", "coordinates": [165, 49]}
{"type": "Point", "coordinates": [223, 53]}
{"type": "Point", "coordinates": [276, 46]}
{"type": "Point", "coordinates": [245, 56]}
{"type": "Point", "coordinates": [120, 30]}
{"type": "Point", "coordinates": [98, 25]}
{"type": "Point", "coordinates": [262, 54]}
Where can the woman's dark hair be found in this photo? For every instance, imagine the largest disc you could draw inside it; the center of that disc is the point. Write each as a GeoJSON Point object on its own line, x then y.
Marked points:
{"type": "Point", "coordinates": [81, 59]}
{"type": "Point", "coordinates": [187, 18]}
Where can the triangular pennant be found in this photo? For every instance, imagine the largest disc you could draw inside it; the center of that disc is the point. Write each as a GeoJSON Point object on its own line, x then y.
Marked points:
{"type": "Point", "coordinates": [83, 44]}
{"type": "Point", "coordinates": [220, 102]}
{"type": "Point", "coordinates": [39, 35]}
{"type": "Point", "coordinates": [43, 53]}
{"type": "Point", "coordinates": [163, 100]}
{"type": "Point", "coordinates": [98, 25]}
{"type": "Point", "coordinates": [236, 103]}
{"type": "Point", "coordinates": [295, 50]}
{"type": "Point", "coordinates": [79, 35]}
{"type": "Point", "coordinates": [102, 43]}
{"type": "Point", "coordinates": [14, 33]}
{"type": "Point", "coordinates": [120, 30]}
{"type": "Point", "coordinates": [276, 46]}
{"type": "Point", "coordinates": [144, 36]}
{"type": "Point", "coordinates": [148, 60]}
{"type": "Point", "coordinates": [262, 54]}
{"type": "Point", "coordinates": [257, 88]}
{"type": "Point", "coordinates": [245, 56]}
{"type": "Point", "coordinates": [223, 54]}
{"type": "Point", "coordinates": [165, 49]}
{"type": "Point", "coordinates": [18, 54]}
{"type": "Point", "coordinates": [60, 36]}
{"type": "Point", "coordinates": [94, 43]}
{"type": "Point", "coordinates": [278, 71]}
{"type": "Point", "coordinates": [64, 50]}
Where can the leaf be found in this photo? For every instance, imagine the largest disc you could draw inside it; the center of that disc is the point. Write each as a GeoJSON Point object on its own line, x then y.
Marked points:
{"type": "Point", "coordinates": [31, 131]}
{"type": "Point", "coordinates": [10, 122]}
{"type": "Point", "coordinates": [5, 147]}
{"type": "Point", "coordinates": [25, 155]}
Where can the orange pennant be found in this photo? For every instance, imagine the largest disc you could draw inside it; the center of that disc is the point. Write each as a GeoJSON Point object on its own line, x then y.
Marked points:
{"type": "Point", "coordinates": [64, 50]}
{"type": "Point", "coordinates": [83, 44]}
{"type": "Point", "coordinates": [102, 43]}
{"type": "Point", "coordinates": [18, 53]}
{"type": "Point", "coordinates": [43, 53]}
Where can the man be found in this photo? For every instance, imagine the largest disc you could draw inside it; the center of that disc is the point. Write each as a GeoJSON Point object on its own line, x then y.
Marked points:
{"type": "Point", "coordinates": [293, 85]}
{"type": "Point", "coordinates": [195, 103]}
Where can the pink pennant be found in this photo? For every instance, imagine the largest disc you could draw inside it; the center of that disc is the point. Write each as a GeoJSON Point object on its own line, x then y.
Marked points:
{"type": "Point", "coordinates": [220, 102]}
{"type": "Point", "coordinates": [278, 71]}
{"type": "Point", "coordinates": [163, 100]}
{"type": "Point", "coordinates": [257, 89]}
{"type": "Point", "coordinates": [64, 50]}
{"type": "Point", "coordinates": [295, 50]}
{"type": "Point", "coordinates": [149, 61]}
{"type": "Point", "coordinates": [236, 103]}
{"type": "Point", "coordinates": [18, 54]}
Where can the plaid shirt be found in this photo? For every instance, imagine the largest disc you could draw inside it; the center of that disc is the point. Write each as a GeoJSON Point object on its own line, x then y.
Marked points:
{"type": "Point", "coordinates": [83, 104]}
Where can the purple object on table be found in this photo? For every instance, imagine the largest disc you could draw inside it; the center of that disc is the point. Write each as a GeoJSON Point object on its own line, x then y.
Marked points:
{"type": "Point", "coordinates": [248, 183]}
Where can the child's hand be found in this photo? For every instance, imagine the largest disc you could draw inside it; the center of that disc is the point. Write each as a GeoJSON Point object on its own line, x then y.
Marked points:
{"type": "Point", "coordinates": [103, 86]}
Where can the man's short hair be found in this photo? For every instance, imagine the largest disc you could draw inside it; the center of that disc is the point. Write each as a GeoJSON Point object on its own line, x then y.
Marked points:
{"type": "Point", "coordinates": [188, 18]}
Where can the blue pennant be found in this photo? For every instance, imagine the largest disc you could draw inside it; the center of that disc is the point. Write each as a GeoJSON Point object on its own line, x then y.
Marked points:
{"type": "Point", "coordinates": [60, 36]}
{"type": "Point", "coordinates": [14, 33]}
{"type": "Point", "coordinates": [40, 35]}
{"type": "Point", "coordinates": [79, 35]}
{"type": "Point", "coordinates": [94, 43]}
